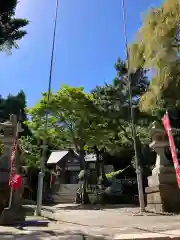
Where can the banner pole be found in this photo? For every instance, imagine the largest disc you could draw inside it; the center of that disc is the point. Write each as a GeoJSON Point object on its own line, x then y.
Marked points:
{"type": "Point", "coordinates": [10, 198]}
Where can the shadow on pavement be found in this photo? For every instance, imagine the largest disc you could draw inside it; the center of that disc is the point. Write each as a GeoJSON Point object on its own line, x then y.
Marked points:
{"type": "Point", "coordinates": [32, 223]}
{"type": "Point", "coordinates": [6, 235]}
{"type": "Point", "coordinates": [45, 235]}
{"type": "Point", "coordinates": [88, 207]}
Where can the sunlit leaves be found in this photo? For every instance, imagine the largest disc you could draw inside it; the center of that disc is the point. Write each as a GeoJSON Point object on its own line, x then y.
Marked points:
{"type": "Point", "coordinates": [31, 152]}
{"type": "Point", "coordinates": [71, 118]}
{"type": "Point", "coordinates": [157, 47]}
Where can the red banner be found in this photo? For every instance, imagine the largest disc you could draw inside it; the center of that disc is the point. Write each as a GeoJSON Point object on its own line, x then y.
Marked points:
{"type": "Point", "coordinates": [15, 180]}
{"type": "Point", "coordinates": [167, 127]}
{"type": "Point", "coordinates": [12, 158]}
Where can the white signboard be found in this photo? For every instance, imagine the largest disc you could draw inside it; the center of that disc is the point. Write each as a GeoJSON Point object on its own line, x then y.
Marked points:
{"type": "Point", "coordinates": [90, 158]}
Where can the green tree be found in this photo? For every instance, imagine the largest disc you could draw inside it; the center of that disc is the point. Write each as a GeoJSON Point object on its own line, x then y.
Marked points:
{"type": "Point", "coordinates": [157, 48]}
{"type": "Point", "coordinates": [10, 27]}
{"type": "Point", "coordinates": [71, 119]}
{"type": "Point", "coordinates": [31, 152]}
{"type": "Point", "coordinates": [101, 119]}
{"type": "Point", "coordinates": [14, 105]}
{"type": "Point", "coordinates": [112, 100]}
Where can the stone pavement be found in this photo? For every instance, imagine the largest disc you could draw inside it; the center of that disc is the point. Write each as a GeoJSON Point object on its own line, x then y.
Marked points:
{"type": "Point", "coordinates": [42, 229]}
{"type": "Point", "coordinates": [36, 229]}
{"type": "Point", "coordinates": [29, 233]}
{"type": "Point", "coordinates": [112, 222]}
{"type": "Point", "coordinates": [73, 223]}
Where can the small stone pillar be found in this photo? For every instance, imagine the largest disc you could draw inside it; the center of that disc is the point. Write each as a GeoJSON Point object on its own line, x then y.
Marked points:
{"type": "Point", "coordinates": [162, 192]}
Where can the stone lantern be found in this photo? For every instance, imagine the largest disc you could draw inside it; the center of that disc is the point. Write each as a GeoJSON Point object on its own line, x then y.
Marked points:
{"type": "Point", "coordinates": [159, 143]}
{"type": "Point", "coordinates": [162, 184]}
{"type": "Point", "coordinates": [90, 161]}
{"type": "Point", "coordinates": [9, 130]}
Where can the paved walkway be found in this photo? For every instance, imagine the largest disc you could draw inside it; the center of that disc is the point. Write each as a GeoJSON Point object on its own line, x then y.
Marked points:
{"type": "Point", "coordinates": [52, 233]}
{"type": "Point", "coordinates": [49, 233]}
{"type": "Point", "coordinates": [73, 223]}
{"type": "Point", "coordinates": [112, 222]}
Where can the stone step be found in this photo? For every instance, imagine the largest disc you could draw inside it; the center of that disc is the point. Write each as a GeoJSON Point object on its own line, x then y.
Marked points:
{"type": "Point", "coordinates": [62, 198]}
{"type": "Point", "coordinates": [62, 195]}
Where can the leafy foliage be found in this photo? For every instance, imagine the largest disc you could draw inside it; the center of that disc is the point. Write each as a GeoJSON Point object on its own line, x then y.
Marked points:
{"type": "Point", "coordinates": [71, 119]}
{"type": "Point", "coordinates": [14, 105]}
{"type": "Point", "coordinates": [31, 152]}
{"type": "Point", "coordinates": [112, 100]}
{"type": "Point", "coordinates": [157, 48]}
{"type": "Point", "coordinates": [10, 27]}
{"type": "Point", "coordinates": [78, 120]}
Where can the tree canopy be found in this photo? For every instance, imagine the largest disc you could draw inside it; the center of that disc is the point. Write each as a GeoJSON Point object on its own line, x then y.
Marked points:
{"type": "Point", "coordinates": [71, 118]}
{"type": "Point", "coordinates": [100, 118]}
{"type": "Point", "coordinates": [14, 104]}
{"type": "Point", "coordinates": [11, 28]}
{"type": "Point", "coordinates": [157, 49]}
{"type": "Point", "coordinates": [112, 101]}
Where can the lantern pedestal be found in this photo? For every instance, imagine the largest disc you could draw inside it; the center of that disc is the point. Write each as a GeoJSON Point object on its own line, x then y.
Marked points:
{"type": "Point", "coordinates": [11, 216]}
{"type": "Point", "coordinates": [163, 194]}
{"type": "Point", "coordinates": [163, 198]}
{"type": "Point", "coordinates": [16, 213]}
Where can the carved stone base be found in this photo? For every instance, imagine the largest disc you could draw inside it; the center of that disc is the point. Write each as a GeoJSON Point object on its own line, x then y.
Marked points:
{"type": "Point", "coordinates": [4, 196]}
{"type": "Point", "coordinates": [162, 175]}
{"type": "Point", "coordinates": [163, 198]}
{"type": "Point", "coordinates": [12, 216]}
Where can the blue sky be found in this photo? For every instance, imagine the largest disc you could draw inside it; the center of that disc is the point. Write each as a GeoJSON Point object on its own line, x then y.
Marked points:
{"type": "Point", "coordinates": [89, 41]}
